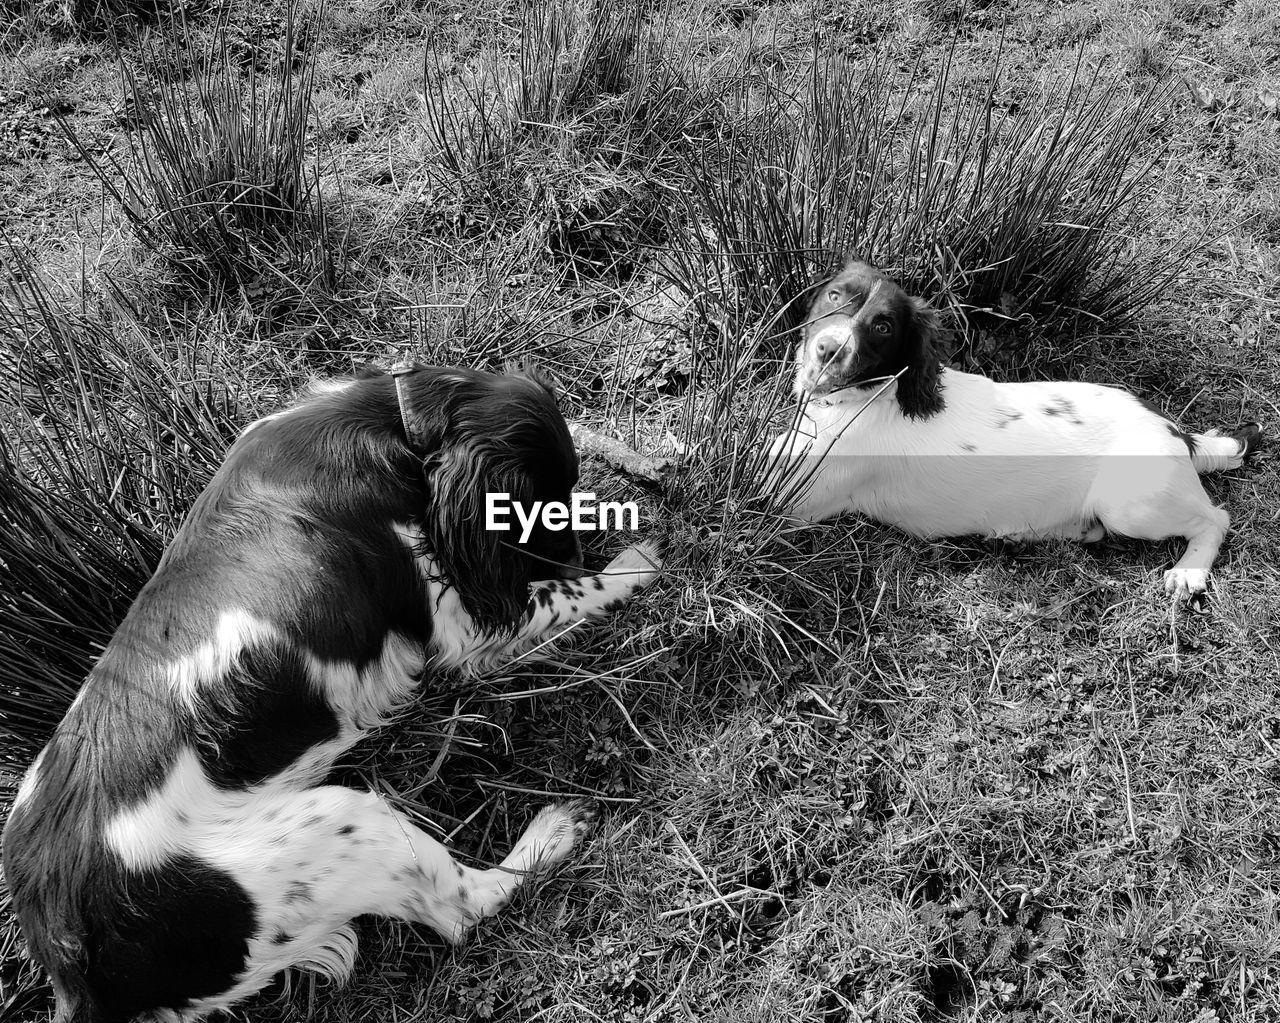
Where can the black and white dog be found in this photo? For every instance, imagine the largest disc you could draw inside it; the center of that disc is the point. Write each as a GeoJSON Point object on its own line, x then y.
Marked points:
{"type": "Point", "coordinates": [888, 432]}
{"type": "Point", "coordinates": [172, 848]}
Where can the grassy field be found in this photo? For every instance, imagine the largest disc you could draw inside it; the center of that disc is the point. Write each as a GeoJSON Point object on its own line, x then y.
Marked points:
{"type": "Point", "coordinates": [844, 775]}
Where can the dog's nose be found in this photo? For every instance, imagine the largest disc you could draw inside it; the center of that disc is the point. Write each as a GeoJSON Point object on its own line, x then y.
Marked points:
{"type": "Point", "coordinates": [831, 341]}
{"type": "Point", "coordinates": [828, 345]}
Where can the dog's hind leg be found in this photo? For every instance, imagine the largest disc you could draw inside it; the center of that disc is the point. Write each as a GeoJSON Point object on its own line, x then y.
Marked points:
{"type": "Point", "coordinates": [1190, 576]}
{"type": "Point", "coordinates": [315, 859]}
{"type": "Point", "coordinates": [1156, 497]}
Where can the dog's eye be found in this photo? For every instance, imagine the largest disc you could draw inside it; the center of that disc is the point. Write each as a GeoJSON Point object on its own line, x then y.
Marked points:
{"type": "Point", "coordinates": [882, 326]}
{"type": "Point", "coordinates": [835, 296]}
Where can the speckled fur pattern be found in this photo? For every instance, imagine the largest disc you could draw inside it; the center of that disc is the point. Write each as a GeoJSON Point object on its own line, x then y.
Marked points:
{"type": "Point", "coordinates": [174, 847]}
{"type": "Point", "coordinates": [888, 433]}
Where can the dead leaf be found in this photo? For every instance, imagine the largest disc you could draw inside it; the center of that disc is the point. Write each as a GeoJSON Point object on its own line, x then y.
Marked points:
{"type": "Point", "coordinates": [1270, 102]}
{"type": "Point", "coordinates": [1205, 99]}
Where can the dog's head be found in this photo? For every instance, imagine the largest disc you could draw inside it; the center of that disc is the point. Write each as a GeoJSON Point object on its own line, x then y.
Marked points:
{"type": "Point", "coordinates": [483, 435]}
{"type": "Point", "coordinates": [863, 328]}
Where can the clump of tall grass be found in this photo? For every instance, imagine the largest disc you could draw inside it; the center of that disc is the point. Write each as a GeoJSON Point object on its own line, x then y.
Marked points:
{"type": "Point", "coordinates": [220, 176]}
{"type": "Point", "coordinates": [113, 425]}
{"type": "Point", "coordinates": [95, 17]}
{"type": "Point", "coordinates": [569, 139]}
{"type": "Point", "coordinates": [983, 204]}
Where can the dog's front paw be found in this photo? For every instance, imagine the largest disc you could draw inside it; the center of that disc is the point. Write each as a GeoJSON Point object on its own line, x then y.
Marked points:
{"type": "Point", "coordinates": [1191, 583]}
{"type": "Point", "coordinates": [642, 561]}
{"type": "Point", "coordinates": [557, 831]}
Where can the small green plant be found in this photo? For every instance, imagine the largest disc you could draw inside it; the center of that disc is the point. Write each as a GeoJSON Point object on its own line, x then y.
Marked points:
{"type": "Point", "coordinates": [220, 176]}
{"type": "Point", "coordinates": [1142, 49]}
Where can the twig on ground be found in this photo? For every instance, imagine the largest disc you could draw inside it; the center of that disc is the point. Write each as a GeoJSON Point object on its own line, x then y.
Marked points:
{"type": "Point", "coordinates": [618, 455]}
{"type": "Point", "coordinates": [714, 901]}
{"type": "Point", "coordinates": [1128, 790]}
{"type": "Point", "coordinates": [693, 860]}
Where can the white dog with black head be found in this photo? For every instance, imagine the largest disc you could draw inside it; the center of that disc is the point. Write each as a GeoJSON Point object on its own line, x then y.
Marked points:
{"type": "Point", "coordinates": [888, 432]}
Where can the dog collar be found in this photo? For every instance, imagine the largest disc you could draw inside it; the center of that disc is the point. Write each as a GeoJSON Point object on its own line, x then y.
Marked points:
{"type": "Point", "coordinates": [398, 372]}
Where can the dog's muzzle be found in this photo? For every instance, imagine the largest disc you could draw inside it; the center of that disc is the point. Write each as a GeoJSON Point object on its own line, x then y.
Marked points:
{"type": "Point", "coordinates": [830, 353]}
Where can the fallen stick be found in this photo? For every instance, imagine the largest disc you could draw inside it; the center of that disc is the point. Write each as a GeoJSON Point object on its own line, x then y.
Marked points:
{"type": "Point", "coordinates": [618, 455]}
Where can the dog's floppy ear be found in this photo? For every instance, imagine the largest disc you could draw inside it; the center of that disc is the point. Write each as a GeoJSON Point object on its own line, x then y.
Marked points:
{"type": "Point", "coordinates": [486, 567]}
{"type": "Point", "coordinates": [919, 390]}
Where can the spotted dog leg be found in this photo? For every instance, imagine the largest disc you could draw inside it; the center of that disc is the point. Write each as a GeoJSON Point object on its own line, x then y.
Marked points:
{"type": "Point", "coordinates": [314, 860]}
{"type": "Point", "coordinates": [557, 600]}
{"type": "Point", "coordinates": [554, 606]}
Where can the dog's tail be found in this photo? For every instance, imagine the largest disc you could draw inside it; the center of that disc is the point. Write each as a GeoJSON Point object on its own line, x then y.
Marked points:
{"type": "Point", "coordinates": [1215, 450]}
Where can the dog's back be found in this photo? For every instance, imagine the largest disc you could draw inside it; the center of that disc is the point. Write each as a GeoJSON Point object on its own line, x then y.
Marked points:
{"type": "Point", "coordinates": [194, 668]}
